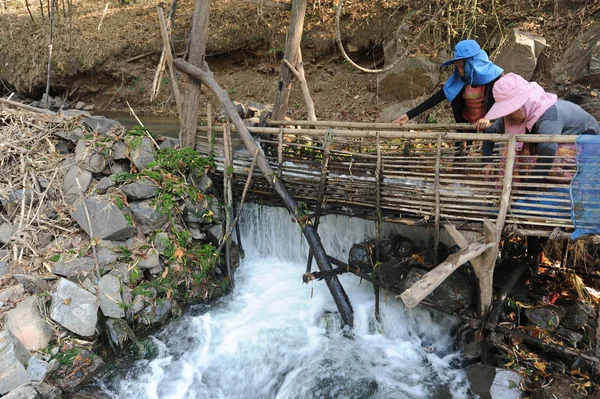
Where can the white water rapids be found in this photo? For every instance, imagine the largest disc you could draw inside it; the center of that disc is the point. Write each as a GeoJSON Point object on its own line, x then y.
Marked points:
{"type": "Point", "coordinates": [270, 339]}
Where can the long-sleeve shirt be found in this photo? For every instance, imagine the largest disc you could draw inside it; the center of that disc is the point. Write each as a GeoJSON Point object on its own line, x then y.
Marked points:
{"type": "Point", "coordinates": [564, 117]}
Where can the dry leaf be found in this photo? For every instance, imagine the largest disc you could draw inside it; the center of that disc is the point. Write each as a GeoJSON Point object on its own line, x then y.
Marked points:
{"type": "Point", "coordinates": [67, 301]}
{"type": "Point", "coordinates": [179, 253]}
{"type": "Point", "coordinates": [540, 366]}
{"type": "Point", "coordinates": [593, 94]}
{"type": "Point", "coordinates": [165, 273]}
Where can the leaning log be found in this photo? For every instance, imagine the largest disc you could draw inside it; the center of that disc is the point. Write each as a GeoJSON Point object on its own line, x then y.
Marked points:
{"type": "Point", "coordinates": [430, 281]}
{"type": "Point", "coordinates": [314, 241]}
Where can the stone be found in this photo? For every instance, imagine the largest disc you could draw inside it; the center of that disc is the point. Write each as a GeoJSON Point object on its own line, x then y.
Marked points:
{"type": "Point", "coordinates": [6, 232]}
{"type": "Point", "coordinates": [62, 147]}
{"type": "Point", "coordinates": [215, 234]}
{"type": "Point", "coordinates": [48, 391]}
{"type": "Point", "coordinates": [520, 52]}
{"type": "Point", "coordinates": [4, 262]}
{"type": "Point", "coordinates": [141, 154]}
{"type": "Point", "coordinates": [150, 261]}
{"type": "Point", "coordinates": [217, 210]}
{"type": "Point", "coordinates": [85, 364]}
{"type": "Point", "coordinates": [11, 293]}
{"type": "Point", "coordinates": [38, 369]}
{"type": "Point", "coordinates": [494, 383]}
{"type": "Point", "coordinates": [106, 257]}
{"type": "Point", "coordinates": [197, 234]}
{"type": "Point", "coordinates": [197, 211]}
{"type": "Point", "coordinates": [104, 184]}
{"type": "Point", "coordinates": [68, 268]}
{"type": "Point", "coordinates": [74, 308]}
{"type": "Point", "coordinates": [13, 357]}
{"type": "Point", "coordinates": [391, 112]}
{"type": "Point", "coordinates": [472, 351]}
{"type": "Point", "coordinates": [147, 217]}
{"type": "Point", "coordinates": [108, 221]}
{"type": "Point", "coordinates": [452, 295]}
{"type": "Point", "coordinates": [169, 142]}
{"type": "Point", "coordinates": [161, 242]}
{"type": "Point", "coordinates": [89, 158]}
{"type": "Point", "coordinates": [101, 124]}
{"type": "Point", "coordinates": [120, 151]}
{"type": "Point", "coordinates": [73, 113]}
{"type": "Point", "coordinates": [72, 136]}
{"type": "Point", "coordinates": [581, 61]}
{"type": "Point", "coordinates": [118, 166]}
{"type": "Point", "coordinates": [409, 79]}
{"type": "Point", "coordinates": [201, 181]}
{"type": "Point", "coordinates": [109, 296]}
{"type": "Point", "coordinates": [156, 314]}
{"type": "Point", "coordinates": [89, 107]}
{"type": "Point", "coordinates": [362, 255]}
{"type": "Point", "coordinates": [544, 316]}
{"type": "Point", "coordinates": [592, 108]}
{"type": "Point", "coordinates": [119, 334]}
{"type": "Point", "coordinates": [25, 392]}
{"type": "Point", "coordinates": [26, 323]}
{"type": "Point", "coordinates": [140, 189]}
{"type": "Point", "coordinates": [560, 387]}
{"type": "Point", "coordinates": [32, 284]}
{"type": "Point", "coordinates": [393, 272]}
{"type": "Point", "coordinates": [569, 335]}
{"type": "Point", "coordinates": [577, 313]}
{"type": "Point", "coordinates": [79, 105]}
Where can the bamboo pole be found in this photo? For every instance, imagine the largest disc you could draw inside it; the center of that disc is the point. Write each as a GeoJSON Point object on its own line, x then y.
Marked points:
{"type": "Point", "coordinates": [298, 72]}
{"type": "Point", "coordinates": [227, 178]}
{"type": "Point", "coordinates": [337, 291]}
{"type": "Point", "coordinates": [378, 219]}
{"type": "Point", "coordinates": [102, 17]}
{"type": "Point", "coordinates": [169, 56]}
{"type": "Point", "coordinates": [27, 107]}
{"type": "Point", "coordinates": [50, 53]}
{"type": "Point", "coordinates": [375, 125]}
{"type": "Point", "coordinates": [438, 160]}
{"type": "Point", "coordinates": [209, 133]}
{"type": "Point", "coordinates": [280, 153]}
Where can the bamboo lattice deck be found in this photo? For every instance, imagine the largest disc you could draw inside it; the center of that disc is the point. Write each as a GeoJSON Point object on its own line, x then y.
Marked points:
{"type": "Point", "coordinates": [412, 171]}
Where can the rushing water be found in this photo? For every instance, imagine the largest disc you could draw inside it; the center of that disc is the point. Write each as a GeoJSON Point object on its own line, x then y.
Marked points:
{"type": "Point", "coordinates": [274, 337]}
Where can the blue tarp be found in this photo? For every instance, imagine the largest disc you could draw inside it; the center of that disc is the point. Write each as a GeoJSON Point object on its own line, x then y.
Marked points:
{"type": "Point", "coordinates": [585, 187]}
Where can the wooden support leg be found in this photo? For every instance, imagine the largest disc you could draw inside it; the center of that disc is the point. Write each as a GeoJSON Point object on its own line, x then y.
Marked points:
{"type": "Point", "coordinates": [484, 268]}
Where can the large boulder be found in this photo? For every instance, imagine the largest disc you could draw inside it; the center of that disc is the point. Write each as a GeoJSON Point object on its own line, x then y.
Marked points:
{"type": "Point", "coordinates": [74, 308]}
{"type": "Point", "coordinates": [409, 79]}
{"type": "Point", "coordinates": [520, 52]}
{"type": "Point", "coordinates": [108, 221]}
{"type": "Point", "coordinates": [581, 62]}
{"type": "Point", "coordinates": [26, 323]}
{"type": "Point", "coordinates": [147, 217]}
{"type": "Point", "coordinates": [13, 357]}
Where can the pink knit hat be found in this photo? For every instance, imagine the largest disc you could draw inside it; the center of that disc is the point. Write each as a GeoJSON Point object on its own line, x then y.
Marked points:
{"type": "Point", "coordinates": [510, 93]}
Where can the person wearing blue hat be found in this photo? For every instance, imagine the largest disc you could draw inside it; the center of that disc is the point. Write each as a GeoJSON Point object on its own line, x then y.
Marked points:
{"type": "Point", "coordinates": [469, 89]}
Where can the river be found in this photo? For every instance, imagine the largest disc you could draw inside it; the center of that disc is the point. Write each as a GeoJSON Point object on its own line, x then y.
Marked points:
{"type": "Point", "coordinates": [274, 337]}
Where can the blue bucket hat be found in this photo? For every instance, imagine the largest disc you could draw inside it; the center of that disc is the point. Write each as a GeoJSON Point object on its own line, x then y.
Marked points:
{"type": "Point", "coordinates": [464, 49]}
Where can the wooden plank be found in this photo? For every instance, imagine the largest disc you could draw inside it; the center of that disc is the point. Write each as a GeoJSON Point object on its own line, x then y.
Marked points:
{"type": "Point", "coordinates": [283, 6]}
{"type": "Point", "coordinates": [430, 281]}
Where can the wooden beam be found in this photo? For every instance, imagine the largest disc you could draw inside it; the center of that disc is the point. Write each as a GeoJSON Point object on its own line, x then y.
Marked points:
{"type": "Point", "coordinates": [509, 168]}
{"type": "Point", "coordinates": [283, 6]}
{"type": "Point", "coordinates": [314, 241]}
{"type": "Point", "coordinates": [191, 90]}
{"type": "Point", "coordinates": [430, 281]}
{"type": "Point", "coordinates": [26, 107]}
{"type": "Point", "coordinates": [292, 46]}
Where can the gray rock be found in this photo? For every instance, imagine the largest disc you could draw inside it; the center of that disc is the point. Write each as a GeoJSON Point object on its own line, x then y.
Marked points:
{"type": "Point", "coordinates": [68, 268]}
{"type": "Point", "coordinates": [162, 242]}
{"type": "Point", "coordinates": [140, 189]}
{"type": "Point", "coordinates": [79, 105]}
{"type": "Point", "coordinates": [577, 314]}
{"type": "Point", "coordinates": [32, 284]}
{"type": "Point", "coordinates": [74, 308]}
{"type": "Point", "coordinates": [89, 158]}
{"type": "Point", "coordinates": [108, 222]}
{"type": "Point", "coordinates": [26, 323]}
{"type": "Point", "coordinates": [520, 52]}
{"type": "Point", "coordinates": [14, 356]}
{"type": "Point", "coordinates": [106, 257]}
{"type": "Point", "coordinates": [73, 113]}
{"type": "Point", "coordinates": [201, 181]}
{"type": "Point", "coordinates": [62, 147]}
{"type": "Point", "coordinates": [569, 335]}
{"type": "Point", "coordinates": [391, 112]}
{"type": "Point", "coordinates": [197, 212]}
{"type": "Point", "coordinates": [147, 218]}
{"type": "Point", "coordinates": [581, 61]}
{"type": "Point", "coordinates": [119, 334]}
{"type": "Point", "coordinates": [592, 108]}
{"type": "Point", "coordinates": [156, 314]}
{"type": "Point", "coordinates": [121, 270]}
{"type": "Point", "coordinates": [25, 392]}
{"type": "Point", "coordinates": [560, 387]}
{"type": "Point", "coordinates": [545, 316]}
{"type": "Point", "coordinates": [109, 295]}
{"type": "Point", "coordinates": [197, 234]}
{"type": "Point", "coordinates": [11, 292]}
{"type": "Point", "coordinates": [472, 351]}
{"type": "Point", "coordinates": [362, 255]}
{"type": "Point", "coordinates": [6, 232]}
{"type": "Point", "coordinates": [48, 391]}
{"type": "Point", "coordinates": [104, 184]}
{"type": "Point", "coordinates": [118, 166]}
{"type": "Point", "coordinates": [493, 383]}
{"type": "Point", "coordinates": [169, 142]}
{"type": "Point", "coordinates": [217, 210]}
{"type": "Point", "coordinates": [141, 152]}
{"type": "Point", "coordinates": [101, 124]}
{"type": "Point", "coordinates": [409, 79]}
{"type": "Point", "coordinates": [37, 369]}
{"type": "Point", "coordinates": [215, 234]}
{"type": "Point", "coordinates": [150, 261]}
{"type": "Point", "coordinates": [120, 151]}
{"type": "Point", "coordinates": [452, 295]}
{"type": "Point", "coordinates": [89, 107]}
{"type": "Point", "coordinates": [4, 259]}
{"type": "Point", "coordinates": [73, 135]}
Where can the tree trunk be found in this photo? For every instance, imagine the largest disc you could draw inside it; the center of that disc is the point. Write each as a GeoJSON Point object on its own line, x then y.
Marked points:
{"type": "Point", "coordinates": [292, 46]}
{"type": "Point", "coordinates": [335, 287]}
{"type": "Point", "coordinates": [191, 90]}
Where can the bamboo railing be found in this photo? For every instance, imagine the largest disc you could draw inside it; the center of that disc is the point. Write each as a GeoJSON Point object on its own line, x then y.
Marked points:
{"type": "Point", "coordinates": [424, 180]}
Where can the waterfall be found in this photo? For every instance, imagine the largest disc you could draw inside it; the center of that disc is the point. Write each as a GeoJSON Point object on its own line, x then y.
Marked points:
{"type": "Point", "coordinates": [274, 337]}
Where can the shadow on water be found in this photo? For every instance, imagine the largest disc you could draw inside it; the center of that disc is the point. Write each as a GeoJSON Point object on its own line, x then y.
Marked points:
{"type": "Point", "coordinates": [160, 125]}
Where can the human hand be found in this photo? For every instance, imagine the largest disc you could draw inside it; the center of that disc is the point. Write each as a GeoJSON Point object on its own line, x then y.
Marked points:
{"type": "Point", "coordinates": [401, 120]}
{"type": "Point", "coordinates": [482, 124]}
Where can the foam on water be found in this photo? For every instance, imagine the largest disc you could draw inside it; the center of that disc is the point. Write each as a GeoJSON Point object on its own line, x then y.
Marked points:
{"type": "Point", "coordinates": [274, 337]}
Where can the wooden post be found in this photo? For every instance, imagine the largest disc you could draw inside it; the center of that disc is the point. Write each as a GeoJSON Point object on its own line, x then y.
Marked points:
{"type": "Point", "coordinates": [191, 90]}
{"type": "Point", "coordinates": [280, 153]}
{"type": "Point", "coordinates": [298, 71]}
{"type": "Point", "coordinates": [227, 178]}
{"type": "Point", "coordinates": [314, 241]}
{"type": "Point", "coordinates": [209, 132]}
{"type": "Point", "coordinates": [378, 220]}
{"type": "Point", "coordinates": [292, 46]}
{"type": "Point", "coordinates": [169, 56]}
{"type": "Point", "coordinates": [438, 161]}
{"type": "Point", "coordinates": [49, 53]}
